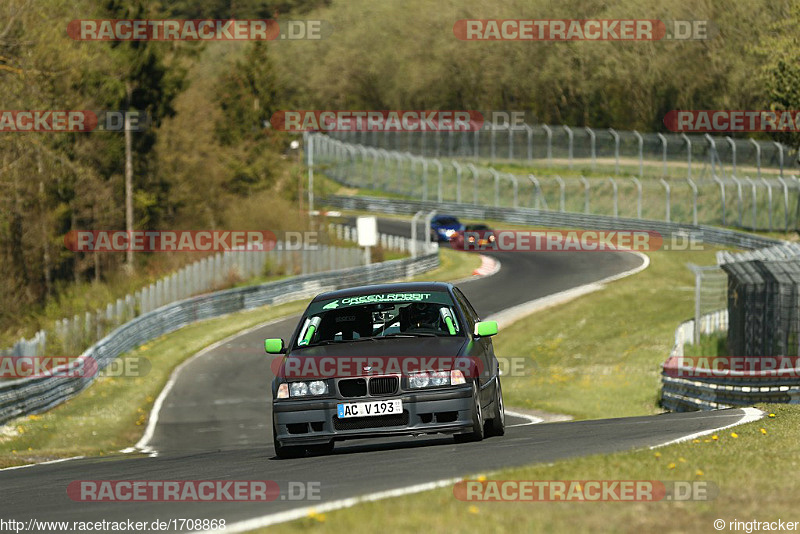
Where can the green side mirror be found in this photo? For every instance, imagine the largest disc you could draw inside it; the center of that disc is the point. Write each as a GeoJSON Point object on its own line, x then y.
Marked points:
{"type": "Point", "coordinates": [274, 346]}
{"type": "Point", "coordinates": [485, 328]}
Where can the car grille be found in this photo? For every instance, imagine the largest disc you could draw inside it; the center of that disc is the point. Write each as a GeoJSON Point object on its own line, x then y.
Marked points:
{"type": "Point", "coordinates": [383, 385]}
{"type": "Point", "coordinates": [361, 423]}
{"type": "Point", "coordinates": [353, 387]}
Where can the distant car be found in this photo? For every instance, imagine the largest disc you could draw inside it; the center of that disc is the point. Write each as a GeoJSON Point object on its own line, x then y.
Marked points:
{"type": "Point", "coordinates": [444, 227]}
{"type": "Point", "coordinates": [384, 360]}
{"type": "Point", "coordinates": [474, 236]}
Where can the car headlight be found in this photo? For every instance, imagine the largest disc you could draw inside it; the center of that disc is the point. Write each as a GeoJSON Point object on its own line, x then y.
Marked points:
{"type": "Point", "coordinates": [428, 379]}
{"type": "Point", "coordinates": [283, 391]}
{"type": "Point", "coordinates": [304, 389]}
{"type": "Point", "coordinates": [318, 387]}
{"type": "Point", "coordinates": [491, 238]}
{"type": "Point", "coordinates": [449, 232]}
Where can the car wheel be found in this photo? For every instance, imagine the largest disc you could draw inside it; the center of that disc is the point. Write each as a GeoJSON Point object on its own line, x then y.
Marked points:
{"type": "Point", "coordinates": [477, 418]}
{"type": "Point", "coordinates": [283, 451]}
{"type": "Point", "coordinates": [497, 425]}
{"type": "Point", "coordinates": [323, 449]}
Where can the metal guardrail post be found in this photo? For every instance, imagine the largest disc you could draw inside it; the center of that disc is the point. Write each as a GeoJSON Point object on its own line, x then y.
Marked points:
{"type": "Point", "coordinates": [516, 187]}
{"type": "Point", "coordinates": [755, 202]}
{"type": "Point", "coordinates": [712, 154]}
{"type": "Point", "coordinates": [785, 203]}
{"type": "Point", "coordinates": [537, 190]}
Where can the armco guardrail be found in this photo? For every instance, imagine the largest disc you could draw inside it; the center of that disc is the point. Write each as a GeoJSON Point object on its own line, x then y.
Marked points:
{"type": "Point", "coordinates": [39, 393]}
{"type": "Point", "coordinates": [687, 387]}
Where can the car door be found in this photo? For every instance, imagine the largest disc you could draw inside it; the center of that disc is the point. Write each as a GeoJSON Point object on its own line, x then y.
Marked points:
{"type": "Point", "coordinates": [482, 350]}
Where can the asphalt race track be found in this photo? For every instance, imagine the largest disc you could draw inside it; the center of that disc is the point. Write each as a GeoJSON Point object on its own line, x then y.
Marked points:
{"type": "Point", "coordinates": [215, 424]}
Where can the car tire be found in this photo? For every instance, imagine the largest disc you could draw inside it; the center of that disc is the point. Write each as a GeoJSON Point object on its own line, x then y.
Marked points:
{"type": "Point", "coordinates": [284, 451]}
{"type": "Point", "coordinates": [477, 419]}
{"type": "Point", "coordinates": [497, 424]}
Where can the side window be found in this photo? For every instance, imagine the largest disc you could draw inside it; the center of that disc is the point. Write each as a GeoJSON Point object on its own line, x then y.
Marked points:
{"type": "Point", "coordinates": [472, 316]}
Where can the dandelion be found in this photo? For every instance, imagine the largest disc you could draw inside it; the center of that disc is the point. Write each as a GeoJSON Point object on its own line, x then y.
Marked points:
{"type": "Point", "coordinates": [772, 415]}
{"type": "Point", "coordinates": [482, 478]}
{"type": "Point", "coordinates": [734, 435]}
{"type": "Point", "coordinates": [764, 431]}
{"type": "Point", "coordinates": [671, 465]}
{"type": "Point", "coordinates": [473, 509]}
{"type": "Point", "coordinates": [699, 473]}
{"type": "Point", "coordinates": [695, 441]}
{"type": "Point", "coordinates": [714, 437]}
{"type": "Point", "coordinates": [682, 459]}
{"type": "Point", "coordinates": [657, 454]}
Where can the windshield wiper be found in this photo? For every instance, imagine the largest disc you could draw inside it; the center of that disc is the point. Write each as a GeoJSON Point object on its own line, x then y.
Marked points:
{"type": "Point", "coordinates": [414, 334]}
{"type": "Point", "coordinates": [331, 341]}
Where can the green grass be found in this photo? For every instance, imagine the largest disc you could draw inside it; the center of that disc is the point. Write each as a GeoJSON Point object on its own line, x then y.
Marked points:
{"type": "Point", "coordinates": [111, 414]}
{"type": "Point", "coordinates": [751, 470]}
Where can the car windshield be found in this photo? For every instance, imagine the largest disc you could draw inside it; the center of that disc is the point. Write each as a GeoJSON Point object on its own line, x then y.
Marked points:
{"type": "Point", "coordinates": [379, 316]}
{"type": "Point", "coordinates": [447, 221]}
{"type": "Point", "coordinates": [476, 227]}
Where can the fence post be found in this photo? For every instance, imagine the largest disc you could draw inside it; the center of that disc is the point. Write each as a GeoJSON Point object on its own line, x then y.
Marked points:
{"type": "Point", "coordinates": [666, 187]}
{"type": "Point", "coordinates": [537, 191]}
{"type": "Point", "coordinates": [562, 203]}
{"type": "Point", "coordinates": [638, 197]}
{"type": "Point", "coordinates": [722, 197]}
{"type": "Point", "coordinates": [516, 187]}
{"type": "Point", "coordinates": [593, 140]}
{"type": "Point", "coordinates": [785, 204]}
{"type": "Point", "coordinates": [755, 201]}
{"type": "Point", "coordinates": [688, 154]}
{"type": "Point", "coordinates": [614, 188]}
{"type": "Point", "coordinates": [586, 194]}
{"type": "Point", "coordinates": [769, 199]}
{"type": "Point", "coordinates": [779, 146]}
{"type": "Point", "coordinates": [738, 197]}
{"type": "Point", "coordinates": [758, 155]}
{"type": "Point", "coordinates": [458, 181]}
{"type": "Point", "coordinates": [529, 141]}
{"type": "Point", "coordinates": [663, 154]}
{"type": "Point", "coordinates": [732, 143]}
{"type": "Point", "coordinates": [549, 133]}
{"type": "Point", "coordinates": [615, 135]}
{"type": "Point", "coordinates": [439, 191]}
{"type": "Point", "coordinates": [641, 152]}
{"type": "Point", "coordinates": [475, 174]}
{"type": "Point", "coordinates": [496, 186]}
{"type": "Point", "coordinates": [694, 200]}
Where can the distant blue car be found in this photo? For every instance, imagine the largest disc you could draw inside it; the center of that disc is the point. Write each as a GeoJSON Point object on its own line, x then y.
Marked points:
{"type": "Point", "coordinates": [445, 227]}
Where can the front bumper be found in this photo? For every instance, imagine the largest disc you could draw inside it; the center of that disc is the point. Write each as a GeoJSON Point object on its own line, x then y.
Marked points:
{"type": "Point", "coordinates": [314, 422]}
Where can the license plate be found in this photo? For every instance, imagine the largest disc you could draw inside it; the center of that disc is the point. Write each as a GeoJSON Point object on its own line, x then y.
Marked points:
{"type": "Point", "coordinates": [366, 409]}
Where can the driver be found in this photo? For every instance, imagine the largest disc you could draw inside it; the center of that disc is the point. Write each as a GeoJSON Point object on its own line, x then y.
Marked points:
{"type": "Point", "coordinates": [423, 315]}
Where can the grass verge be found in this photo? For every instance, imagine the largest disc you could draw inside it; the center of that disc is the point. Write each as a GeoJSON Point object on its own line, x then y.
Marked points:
{"type": "Point", "coordinates": [747, 471]}
{"type": "Point", "coordinates": [111, 414]}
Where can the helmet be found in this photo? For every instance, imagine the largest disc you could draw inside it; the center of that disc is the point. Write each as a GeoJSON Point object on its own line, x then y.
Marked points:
{"type": "Point", "coordinates": [423, 315]}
